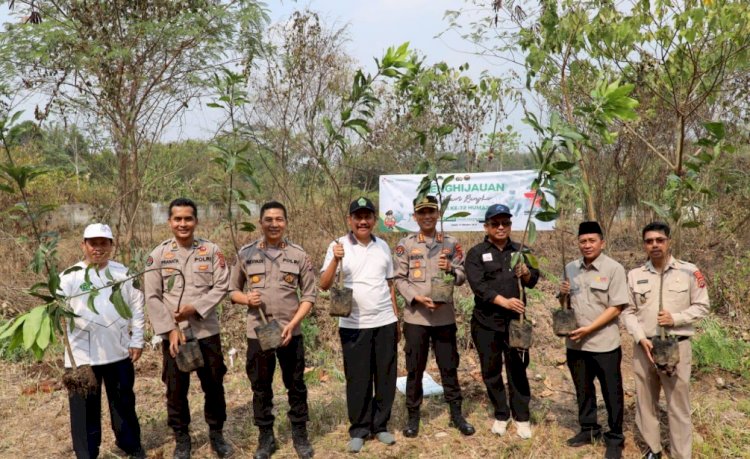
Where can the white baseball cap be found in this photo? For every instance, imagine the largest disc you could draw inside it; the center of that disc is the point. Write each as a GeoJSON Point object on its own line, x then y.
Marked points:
{"type": "Point", "coordinates": [98, 230]}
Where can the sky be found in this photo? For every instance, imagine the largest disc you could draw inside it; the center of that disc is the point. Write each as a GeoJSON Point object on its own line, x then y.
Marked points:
{"type": "Point", "coordinates": [373, 26]}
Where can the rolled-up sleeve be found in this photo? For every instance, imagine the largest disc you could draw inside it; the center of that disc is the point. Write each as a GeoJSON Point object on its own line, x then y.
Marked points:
{"type": "Point", "coordinates": [308, 287]}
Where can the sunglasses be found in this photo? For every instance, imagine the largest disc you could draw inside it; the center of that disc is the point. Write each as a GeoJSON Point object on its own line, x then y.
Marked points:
{"type": "Point", "coordinates": [658, 240]}
{"type": "Point", "coordinates": [495, 224]}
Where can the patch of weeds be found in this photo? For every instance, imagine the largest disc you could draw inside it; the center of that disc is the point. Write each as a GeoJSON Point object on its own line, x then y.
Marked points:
{"type": "Point", "coordinates": [310, 332]}
{"type": "Point", "coordinates": [534, 294]}
{"type": "Point", "coordinates": [715, 348]}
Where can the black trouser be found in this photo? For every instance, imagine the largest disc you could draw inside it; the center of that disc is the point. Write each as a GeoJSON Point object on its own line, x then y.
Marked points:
{"type": "Point", "coordinates": [211, 376]}
{"type": "Point", "coordinates": [260, 367]}
{"type": "Point", "coordinates": [369, 362]}
{"type": "Point", "coordinates": [492, 347]}
{"type": "Point", "coordinates": [604, 366]}
{"type": "Point", "coordinates": [86, 411]}
{"type": "Point", "coordinates": [443, 338]}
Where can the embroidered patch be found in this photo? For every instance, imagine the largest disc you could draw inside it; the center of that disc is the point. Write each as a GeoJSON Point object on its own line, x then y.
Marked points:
{"type": "Point", "coordinates": [289, 278]}
{"type": "Point", "coordinates": [203, 268]}
{"type": "Point", "coordinates": [168, 256]}
{"type": "Point", "coordinates": [149, 261]}
{"type": "Point", "coordinates": [601, 279]}
{"type": "Point", "coordinates": [417, 264]}
{"type": "Point", "coordinates": [459, 250]}
{"type": "Point", "coordinates": [400, 250]}
{"type": "Point", "coordinates": [415, 251]}
{"type": "Point", "coordinates": [222, 261]}
{"type": "Point", "coordinates": [417, 273]}
{"type": "Point", "coordinates": [255, 279]}
{"type": "Point", "coordinates": [447, 251]}
{"type": "Point", "coordinates": [699, 279]}
{"type": "Point", "coordinates": [202, 250]}
{"type": "Point", "coordinates": [642, 281]}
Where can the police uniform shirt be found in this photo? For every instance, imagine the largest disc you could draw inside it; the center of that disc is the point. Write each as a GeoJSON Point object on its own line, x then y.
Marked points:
{"type": "Point", "coordinates": [684, 295]}
{"type": "Point", "coordinates": [489, 274]}
{"type": "Point", "coordinates": [366, 270]}
{"type": "Point", "coordinates": [205, 285]}
{"type": "Point", "coordinates": [417, 260]}
{"type": "Point", "coordinates": [592, 290]}
{"type": "Point", "coordinates": [276, 273]}
{"type": "Point", "coordinates": [104, 336]}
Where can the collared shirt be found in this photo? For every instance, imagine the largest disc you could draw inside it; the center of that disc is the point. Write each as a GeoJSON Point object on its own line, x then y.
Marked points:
{"type": "Point", "coordinates": [206, 284]}
{"type": "Point", "coordinates": [103, 336]}
{"type": "Point", "coordinates": [489, 273]}
{"type": "Point", "coordinates": [417, 258]}
{"type": "Point", "coordinates": [684, 295]}
{"type": "Point", "coordinates": [276, 273]}
{"type": "Point", "coordinates": [593, 289]}
{"type": "Point", "coordinates": [366, 270]}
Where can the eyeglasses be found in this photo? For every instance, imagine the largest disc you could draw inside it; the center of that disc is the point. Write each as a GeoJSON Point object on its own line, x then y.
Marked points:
{"type": "Point", "coordinates": [495, 224]}
{"type": "Point", "coordinates": [657, 240]}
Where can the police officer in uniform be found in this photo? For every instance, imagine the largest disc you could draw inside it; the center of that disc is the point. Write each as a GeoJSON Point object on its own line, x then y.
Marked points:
{"type": "Point", "coordinates": [273, 269]}
{"type": "Point", "coordinates": [598, 293]}
{"type": "Point", "coordinates": [497, 301]}
{"type": "Point", "coordinates": [206, 282]}
{"type": "Point", "coordinates": [685, 301]}
{"type": "Point", "coordinates": [420, 257]}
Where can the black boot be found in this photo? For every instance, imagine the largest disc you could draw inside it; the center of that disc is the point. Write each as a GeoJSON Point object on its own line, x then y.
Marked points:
{"type": "Point", "coordinates": [266, 443]}
{"type": "Point", "coordinates": [182, 445]}
{"type": "Point", "coordinates": [412, 425]}
{"type": "Point", "coordinates": [219, 445]}
{"type": "Point", "coordinates": [301, 443]}
{"type": "Point", "coordinates": [458, 421]}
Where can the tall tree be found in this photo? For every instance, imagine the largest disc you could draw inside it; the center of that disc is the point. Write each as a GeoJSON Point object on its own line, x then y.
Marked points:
{"type": "Point", "coordinates": [134, 65]}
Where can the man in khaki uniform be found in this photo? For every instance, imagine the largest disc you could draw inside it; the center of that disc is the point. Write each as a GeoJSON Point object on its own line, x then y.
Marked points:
{"type": "Point", "coordinates": [273, 270]}
{"type": "Point", "coordinates": [685, 301]}
{"type": "Point", "coordinates": [420, 257]}
{"type": "Point", "coordinates": [598, 293]}
{"type": "Point", "coordinates": [204, 287]}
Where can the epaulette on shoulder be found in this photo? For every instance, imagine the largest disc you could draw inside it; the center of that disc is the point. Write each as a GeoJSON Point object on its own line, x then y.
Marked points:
{"type": "Point", "coordinates": [165, 242]}
{"type": "Point", "coordinates": [296, 246]}
{"type": "Point", "coordinates": [249, 245]}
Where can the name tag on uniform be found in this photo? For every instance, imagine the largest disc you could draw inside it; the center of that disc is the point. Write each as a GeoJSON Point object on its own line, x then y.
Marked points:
{"type": "Point", "coordinates": [486, 257]}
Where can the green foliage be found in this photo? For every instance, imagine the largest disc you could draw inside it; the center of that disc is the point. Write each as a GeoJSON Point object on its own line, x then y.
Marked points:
{"type": "Point", "coordinates": [715, 348]}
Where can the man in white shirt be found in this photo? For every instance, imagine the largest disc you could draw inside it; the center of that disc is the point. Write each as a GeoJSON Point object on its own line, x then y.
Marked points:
{"type": "Point", "coordinates": [108, 342]}
{"type": "Point", "coordinates": [370, 334]}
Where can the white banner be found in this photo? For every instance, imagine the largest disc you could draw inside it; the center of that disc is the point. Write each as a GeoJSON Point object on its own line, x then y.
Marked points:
{"type": "Point", "coordinates": [470, 192]}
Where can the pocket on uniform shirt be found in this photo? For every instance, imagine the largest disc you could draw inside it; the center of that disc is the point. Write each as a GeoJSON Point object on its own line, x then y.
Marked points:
{"type": "Point", "coordinates": [642, 295]}
{"type": "Point", "coordinates": [289, 275]}
{"type": "Point", "coordinates": [203, 274]}
{"type": "Point", "coordinates": [676, 294]}
{"type": "Point", "coordinates": [417, 271]}
{"type": "Point", "coordinates": [166, 275]}
{"type": "Point", "coordinates": [600, 290]}
{"type": "Point", "coordinates": [256, 275]}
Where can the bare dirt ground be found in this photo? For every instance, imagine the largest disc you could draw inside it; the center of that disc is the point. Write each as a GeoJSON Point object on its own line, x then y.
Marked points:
{"type": "Point", "coordinates": [34, 417]}
{"type": "Point", "coordinates": [34, 410]}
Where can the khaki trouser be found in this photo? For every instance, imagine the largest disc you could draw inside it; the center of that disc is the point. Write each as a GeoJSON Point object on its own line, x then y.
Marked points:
{"type": "Point", "coordinates": [648, 383]}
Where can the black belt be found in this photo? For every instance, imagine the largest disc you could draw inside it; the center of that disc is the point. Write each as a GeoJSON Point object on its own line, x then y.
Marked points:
{"type": "Point", "coordinates": [680, 338]}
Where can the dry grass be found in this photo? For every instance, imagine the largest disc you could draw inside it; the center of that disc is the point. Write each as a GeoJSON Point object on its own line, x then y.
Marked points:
{"type": "Point", "coordinates": [37, 425]}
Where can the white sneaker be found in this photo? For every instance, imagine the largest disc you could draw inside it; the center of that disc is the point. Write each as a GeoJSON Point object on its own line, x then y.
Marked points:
{"type": "Point", "coordinates": [523, 429]}
{"type": "Point", "coordinates": [499, 427]}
